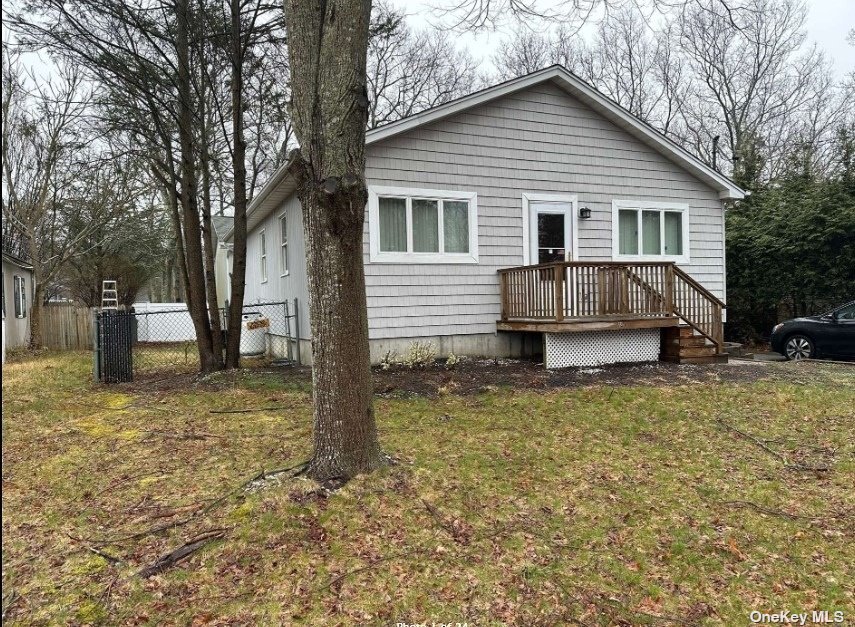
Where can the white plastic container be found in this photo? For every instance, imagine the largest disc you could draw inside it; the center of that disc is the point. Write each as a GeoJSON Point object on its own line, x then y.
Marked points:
{"type": "Point", "coordinates": [253, 334]}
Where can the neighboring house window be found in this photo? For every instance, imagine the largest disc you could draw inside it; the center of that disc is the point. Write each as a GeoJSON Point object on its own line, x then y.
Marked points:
{"type": "Point", "coordinates": [651, 231]}
{"type": "Point", "coordinates": [422, 226]}
{"type": "Point", "coordinates": [283, 244]}
{"type": "Point", "coordinates": [263, 247]}
{"type": "Point", "coordinates": [20, 297]}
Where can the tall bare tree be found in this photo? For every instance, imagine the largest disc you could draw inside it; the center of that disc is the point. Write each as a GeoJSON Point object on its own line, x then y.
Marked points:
{"type": "Point", "coordinates": [328, 43]}
{"type": "Point", "coordinates": [528, 51]}
{"type": "Point", "coordinates": [53, 177]}
{"type": "Point", "coordinates": [752, 72]}
{"type": "Point", "coordinates": [411, 71]}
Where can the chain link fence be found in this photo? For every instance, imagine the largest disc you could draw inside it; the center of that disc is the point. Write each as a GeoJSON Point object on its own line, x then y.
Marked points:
{"type": "Point", "coordinates": [160, 337]}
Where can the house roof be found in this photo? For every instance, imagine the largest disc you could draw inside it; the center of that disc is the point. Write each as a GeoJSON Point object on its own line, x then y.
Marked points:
{"type": "Point", "coordinates": [222, 225]}
{"type": "Point", "coordinates": [24, 265]}
{"type": "Point", "coordinates": [14, 249]}
{"type": "Point", "coordinates": [282, 183]}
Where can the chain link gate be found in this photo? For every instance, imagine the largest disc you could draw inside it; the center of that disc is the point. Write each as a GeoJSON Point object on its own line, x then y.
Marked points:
{"type": "Point", "coordinates": [161, 337]}
{"type": "Point", "coordinates": [114, 339]}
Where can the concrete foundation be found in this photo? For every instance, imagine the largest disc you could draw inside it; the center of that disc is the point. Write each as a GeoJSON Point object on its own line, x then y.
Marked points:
{"type": "Point", "coordinates": [482, 345]}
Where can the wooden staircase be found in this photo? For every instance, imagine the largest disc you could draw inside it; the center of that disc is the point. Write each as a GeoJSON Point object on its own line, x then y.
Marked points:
{"type": "Point", "coordinates": [682, 345]}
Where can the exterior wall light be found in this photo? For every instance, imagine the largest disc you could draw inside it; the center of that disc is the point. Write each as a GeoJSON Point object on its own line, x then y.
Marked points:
{"type": "Point", "coordinates": [584, 213]}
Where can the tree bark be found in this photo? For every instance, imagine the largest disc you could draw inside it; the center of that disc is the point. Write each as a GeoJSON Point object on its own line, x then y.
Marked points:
{"type": "Point", "coordinates": [328, 42]}
{"type": "Point", "coordinates": [37, 296]}
{"type": "Point", "coordinates": [238, 277]}
{"type": "Point", "coordinates": [207, 226]}
{"type": "Point", "coordinates": [35, 314]}
{"type": "Point", "coordinates": [208, 245]}
{"type": "Point", "coordinates": [209, 361]}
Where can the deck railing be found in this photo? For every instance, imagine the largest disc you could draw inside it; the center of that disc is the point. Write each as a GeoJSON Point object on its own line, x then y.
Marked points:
{"type": "Point", "coordinates": [609, 290]}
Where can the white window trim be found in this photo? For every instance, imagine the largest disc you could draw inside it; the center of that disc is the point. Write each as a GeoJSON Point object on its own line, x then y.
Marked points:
{"type": "Point", "coordinates": [283, 245]}
{"type": "Point", "coordinates": [642, 205]}
{"type": "Point", "coordinates": [572, 223]}
{"type": "Point", "coordinates": [376, 256]}
{"type": "Point", "coordinates": [21, 296]}
{"type": "Point", "coordinates": [263, 268]}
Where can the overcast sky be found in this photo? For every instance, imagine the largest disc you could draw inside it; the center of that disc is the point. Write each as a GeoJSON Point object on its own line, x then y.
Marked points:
{"type": "Point", "coordinates": [829, 22]}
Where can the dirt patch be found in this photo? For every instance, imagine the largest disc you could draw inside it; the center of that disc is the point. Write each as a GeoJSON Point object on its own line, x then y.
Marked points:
{"type": "Point", "coordinates": [474, 376]}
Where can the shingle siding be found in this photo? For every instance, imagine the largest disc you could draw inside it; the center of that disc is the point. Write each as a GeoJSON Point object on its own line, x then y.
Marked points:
{"type": "Point", "coordinates": [540, 140]}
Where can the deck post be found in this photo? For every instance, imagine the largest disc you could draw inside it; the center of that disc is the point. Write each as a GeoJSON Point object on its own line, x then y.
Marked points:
{"type": "Point", "coordinates": [503, 286]}
{"type": "Point", "coordinates": [669, 289]}
{"type": "Point", "coordinates": [559, 292]}
{"type": "Point", "coordinates": [719, 328]}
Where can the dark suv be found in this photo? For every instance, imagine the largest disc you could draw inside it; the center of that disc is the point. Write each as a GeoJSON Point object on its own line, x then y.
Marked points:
{"type": "Point", "coordinates": [829, 335]}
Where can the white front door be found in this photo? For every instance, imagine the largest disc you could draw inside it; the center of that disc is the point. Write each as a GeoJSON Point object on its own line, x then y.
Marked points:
{"type": "Point", "coordinates": [550, 231]}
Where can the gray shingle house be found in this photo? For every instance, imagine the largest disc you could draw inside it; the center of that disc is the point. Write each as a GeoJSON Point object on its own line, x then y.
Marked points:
{"type": "Point", "coordinates": [533, 215]}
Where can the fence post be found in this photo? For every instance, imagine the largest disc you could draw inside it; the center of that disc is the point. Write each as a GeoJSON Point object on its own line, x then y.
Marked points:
{"type": "Point", "coordinates": [297, 332]}
{"type": "Point", "coordinates": [96, 346]}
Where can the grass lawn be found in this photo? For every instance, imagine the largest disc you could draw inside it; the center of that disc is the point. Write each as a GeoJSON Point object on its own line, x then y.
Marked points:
{"type": "Point", "coordinates": [592, 504]}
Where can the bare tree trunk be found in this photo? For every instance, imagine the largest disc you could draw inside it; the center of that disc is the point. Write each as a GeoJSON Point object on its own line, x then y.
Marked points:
{"type": "Point", "coordinates": [327, 50]}
{"type": "Point", "coordinates": [209, 361]}
{"type": "Point", "coordinates": [208, 244]}
{"type": "Point", "coordinates": [35, 314]}
{"type": "Point", "coordinates": [238, 278]}
{"type": "Point", "coordinates": [207, 226]}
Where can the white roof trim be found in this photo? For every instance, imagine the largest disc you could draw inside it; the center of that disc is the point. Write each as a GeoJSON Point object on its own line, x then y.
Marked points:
{"type": "Point", "coordinates": [727, 189]}
{"type": "Point", "coordinates": [260, 199]}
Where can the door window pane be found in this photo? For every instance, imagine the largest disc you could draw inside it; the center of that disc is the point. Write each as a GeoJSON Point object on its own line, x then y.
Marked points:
{"type": "Point", "coordinates": [550, 230]}
{"type": "Point", "coordinates": [673, 233]}
{"type": "Point", "coordinates": [650, 236]}
{"type": "Point", "coordinates": [550, 237]}
{"type": "Point", "coordinates": [425, 226]}
{"type": "Point", "coordinates": [628, 232]}
{"type": "Point", "coordinates": [455, 226]}
{"type": "Point", "coordinates": [393, 224]}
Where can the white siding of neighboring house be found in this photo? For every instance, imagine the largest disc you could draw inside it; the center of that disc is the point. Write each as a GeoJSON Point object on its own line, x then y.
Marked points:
{"type": "Point", "coordinates": [279, 288]}
{"type": "Point", "coordinates": [17, 329]}
{"type": "Point", "coordinates": [539, 140]}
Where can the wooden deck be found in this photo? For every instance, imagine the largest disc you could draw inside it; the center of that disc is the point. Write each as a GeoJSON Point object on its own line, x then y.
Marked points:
{"type": "Point", "coordinates": [587, 296]}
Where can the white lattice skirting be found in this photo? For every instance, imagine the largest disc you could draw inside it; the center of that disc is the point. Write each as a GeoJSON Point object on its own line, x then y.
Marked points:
{"type": "Point", "coordinates": [595, 348]}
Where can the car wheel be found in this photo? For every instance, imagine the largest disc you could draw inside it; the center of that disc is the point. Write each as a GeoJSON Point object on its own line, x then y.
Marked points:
{"type": "Point", "coordinates": [799, 347]}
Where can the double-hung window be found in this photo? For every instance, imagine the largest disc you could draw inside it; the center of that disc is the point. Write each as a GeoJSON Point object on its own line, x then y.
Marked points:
{"type": "Point", "coordinates": [283, 244]}
{"type": "Point", "coordinates": [422, 226]}
{"type": "Point", "coordinates": [262, 243]}
{"type": "Point", "coordinates": [650, 231]}
{"type": "Point", "coordinates": [20, 285]}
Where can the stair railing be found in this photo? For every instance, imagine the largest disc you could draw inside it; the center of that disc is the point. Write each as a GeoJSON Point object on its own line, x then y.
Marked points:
{"type": "Point", "coordinates": [698, 307]}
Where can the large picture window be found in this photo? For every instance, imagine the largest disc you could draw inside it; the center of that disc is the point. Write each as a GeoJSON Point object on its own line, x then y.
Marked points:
{"type": "Point", "coordinates": [422, 226]}
{"type": "Point", "coordinates": [645, 230]}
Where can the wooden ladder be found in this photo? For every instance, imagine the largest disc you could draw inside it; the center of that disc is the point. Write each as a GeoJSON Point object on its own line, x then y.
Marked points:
{"type": "Point", "coordinates": [109, 295]}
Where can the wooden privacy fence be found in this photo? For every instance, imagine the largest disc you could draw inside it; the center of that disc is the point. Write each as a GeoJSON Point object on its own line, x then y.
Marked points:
{"type": "Point", "coordinates": [66, 327]}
